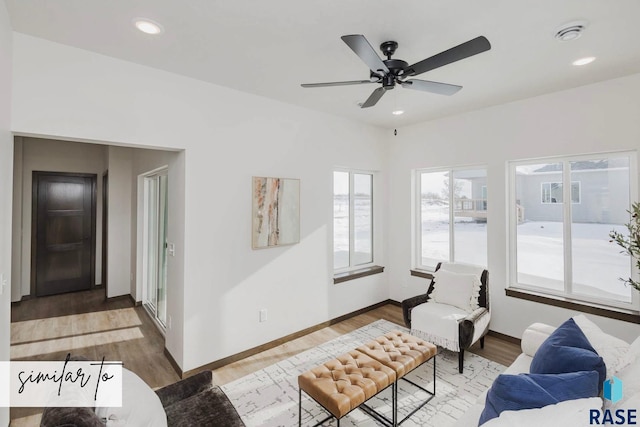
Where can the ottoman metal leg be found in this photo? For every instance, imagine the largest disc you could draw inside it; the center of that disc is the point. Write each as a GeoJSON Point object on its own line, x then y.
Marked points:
{"type": "Point", "coordinates": [430, 393]}
{"type": "Point", "coordinates": [299, 407]}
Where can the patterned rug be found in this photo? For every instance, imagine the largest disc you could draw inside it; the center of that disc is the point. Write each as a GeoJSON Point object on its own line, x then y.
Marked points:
{"type": "Point", "coordinates": [269, 397]}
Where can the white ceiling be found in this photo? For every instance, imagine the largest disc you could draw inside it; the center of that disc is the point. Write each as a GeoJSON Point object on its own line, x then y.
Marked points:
{"type": "Point", "coordinates": [270, 47]}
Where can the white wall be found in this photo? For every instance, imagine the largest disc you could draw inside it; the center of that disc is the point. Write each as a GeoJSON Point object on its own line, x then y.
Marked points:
{"type": "Point", "coordinates": [590, 119]}
{"type": "Point", "coordinates": [228, 137]}
{"type": "Point", "coordinates": [119, 277]}
{"type": "Point", "coordinates": [33, 154]}
{"type": "Point", "coordinates": [6, 172]}
{"type": "Point", "coordinates": [16, 222]}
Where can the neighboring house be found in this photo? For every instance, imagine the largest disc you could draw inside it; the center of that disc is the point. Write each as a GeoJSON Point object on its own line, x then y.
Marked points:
{"type": "Point", "coordinates": [475, 205]}
{"type": "Point", "coordinates": [595, 185]}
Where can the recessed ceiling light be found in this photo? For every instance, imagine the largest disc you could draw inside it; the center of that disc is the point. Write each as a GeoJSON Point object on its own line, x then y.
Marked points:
{"type": "Point", "coordinates": [397, 112]}
{"type": "Point", "coordinates": [147, 26]}
{"type": "Point", "coordinates": [584, 61]}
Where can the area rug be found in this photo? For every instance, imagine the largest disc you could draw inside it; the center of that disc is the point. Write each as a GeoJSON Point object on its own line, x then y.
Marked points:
{"type": "Point", "coordinates": [269, 397]}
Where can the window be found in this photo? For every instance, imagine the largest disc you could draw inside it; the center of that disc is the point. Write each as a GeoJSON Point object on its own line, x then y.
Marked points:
{"type": "Point", "coordinates": [451, 217]}
{"type": "Point", "coordinates": [352, 219]}
{"type": "Point", "coordinates": [564, 249]}
{"type": "Point", "coordinates": [552, 192]}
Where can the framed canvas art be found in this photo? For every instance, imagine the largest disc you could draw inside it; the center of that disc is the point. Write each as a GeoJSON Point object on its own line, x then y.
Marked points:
{"type": "Point", "coordinates": [276, 212]}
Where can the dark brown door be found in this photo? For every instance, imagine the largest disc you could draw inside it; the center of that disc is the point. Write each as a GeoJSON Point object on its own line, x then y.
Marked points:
{"type": "Point", "coordinates": [65, 232]}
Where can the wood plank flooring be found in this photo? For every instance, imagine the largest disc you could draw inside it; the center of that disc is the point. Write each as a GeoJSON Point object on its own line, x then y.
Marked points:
{"type": "Point", "coordinates": [85, 323]}
{"type": "Point", "coordinates": [495, 348]}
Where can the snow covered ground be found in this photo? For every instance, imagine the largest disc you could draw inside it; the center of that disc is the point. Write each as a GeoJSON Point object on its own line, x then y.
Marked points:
{"type": "Point", "coordinates": [597, 264]}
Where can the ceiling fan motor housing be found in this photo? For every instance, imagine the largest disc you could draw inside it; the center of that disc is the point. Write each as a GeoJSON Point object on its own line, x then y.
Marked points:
{"type": "Point", "coordinates": [395, 66]}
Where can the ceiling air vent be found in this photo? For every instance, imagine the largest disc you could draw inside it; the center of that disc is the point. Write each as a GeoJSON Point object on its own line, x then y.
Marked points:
{"type": "Point", "coordinates": [570, 31]}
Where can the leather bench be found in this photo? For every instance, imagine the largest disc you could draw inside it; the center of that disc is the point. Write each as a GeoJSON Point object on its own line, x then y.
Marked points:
{"type": "Point", "coordinates": [399, 351]}
{"type": "Point", "coordinates": [342, 384]}
{"type": "Point", "coordinates": [347, 382]}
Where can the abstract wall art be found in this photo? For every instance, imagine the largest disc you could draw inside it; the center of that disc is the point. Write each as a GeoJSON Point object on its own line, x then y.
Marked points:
{"type": "Point", "coordinates": [276, 212]}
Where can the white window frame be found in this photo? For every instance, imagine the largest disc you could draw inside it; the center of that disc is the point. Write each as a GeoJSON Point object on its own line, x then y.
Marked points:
{"type": "Point", "coordinates": [417, 216]}
{"type": "Point", "coordinates": [567, 211]}
{"type": "Point", "coordinates": [352, 266]}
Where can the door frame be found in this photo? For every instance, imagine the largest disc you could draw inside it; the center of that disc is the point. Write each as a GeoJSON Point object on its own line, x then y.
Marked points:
{"type": "Point", "coordinates": [105, 231]}
{"type": "Point", "coordinates": [142, 241]}
{"type": "Point", "coordinates": [34, 222]}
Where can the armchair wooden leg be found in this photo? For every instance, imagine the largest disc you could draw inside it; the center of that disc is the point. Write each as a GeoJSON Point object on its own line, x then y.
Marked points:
{"type": "Point", "coordinates": [460, 360]}
{"type": "Point", "coordinates": [482, 342]}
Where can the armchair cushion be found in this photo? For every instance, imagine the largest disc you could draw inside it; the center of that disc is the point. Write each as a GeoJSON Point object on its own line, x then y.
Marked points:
{"type": "Point", "coordinates": [438, 324]}
{"type": "Point", "coordinates": [457, 289]}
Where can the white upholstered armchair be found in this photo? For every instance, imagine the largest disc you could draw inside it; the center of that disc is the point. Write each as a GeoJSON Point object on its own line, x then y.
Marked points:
{"type": "Point", "coordinates": [454, 313]}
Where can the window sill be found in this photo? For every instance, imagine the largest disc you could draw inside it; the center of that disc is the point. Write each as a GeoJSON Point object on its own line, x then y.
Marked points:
{"type": "Point", "coordinates": [422, 273]}
{"type": "Point", "coordinates": [625, 315]}
{"type": "Point", "coordinates": [356, 274]}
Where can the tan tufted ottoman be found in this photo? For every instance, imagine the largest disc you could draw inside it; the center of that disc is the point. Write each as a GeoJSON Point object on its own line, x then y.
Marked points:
{"type": "Point", "coordinates": [402, 353]}
{"type": "Point", "coordinates": [399, 351]}
{"type": "Point", "coordinates": [344, 383]}
{"type": "Point", "coordinates": [347, 382]}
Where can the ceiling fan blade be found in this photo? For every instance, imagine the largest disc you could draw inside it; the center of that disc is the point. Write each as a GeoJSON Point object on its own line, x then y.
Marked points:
{"type": "Point", "coordinates": [359, 44]}
{"type": "Point", "coordinates": [433, 87]}
{"type": "Point", "coordinates": [462, 51]}
{"type": "Point", "coordinates": [374, 98]}
{"type": "Point", "coordinates": [352, 82]}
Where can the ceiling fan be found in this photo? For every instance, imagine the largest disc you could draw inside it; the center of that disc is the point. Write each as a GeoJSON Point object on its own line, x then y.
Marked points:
{"type": "Point", "coordinates": [392, 71]}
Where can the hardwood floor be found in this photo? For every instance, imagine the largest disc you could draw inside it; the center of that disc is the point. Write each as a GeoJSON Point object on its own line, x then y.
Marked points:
{"type": "Point", "coordinates": [495, 348]}
{"type": "Point", "coordinates": [83, 323]}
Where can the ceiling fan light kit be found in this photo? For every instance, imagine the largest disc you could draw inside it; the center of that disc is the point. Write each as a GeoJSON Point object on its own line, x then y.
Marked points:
{"type": "Point", "coordinates": [390, 72]}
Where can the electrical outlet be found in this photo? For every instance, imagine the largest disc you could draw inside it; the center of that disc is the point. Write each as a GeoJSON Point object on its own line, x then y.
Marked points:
{"type": "Point", "coordinates": [263, 315]}
{"type": "Point", "coordinates": [171, 249]}
{"type": "Point", "coordinates": [169, 322]}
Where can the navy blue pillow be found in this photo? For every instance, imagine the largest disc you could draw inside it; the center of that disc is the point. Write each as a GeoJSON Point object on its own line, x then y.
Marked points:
{"type": "Point", "coordinates": [528, 391]}
{"type": "Point", "coordinates": [567, 350]}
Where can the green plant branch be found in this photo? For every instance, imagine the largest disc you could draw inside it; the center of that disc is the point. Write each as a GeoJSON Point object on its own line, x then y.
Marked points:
{"type": "Point", "coordinates": [631, 243]}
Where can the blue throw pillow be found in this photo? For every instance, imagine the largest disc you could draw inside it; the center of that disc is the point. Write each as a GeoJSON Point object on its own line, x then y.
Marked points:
{"type": "Point", "coordinates": [567, 350]}
{"type": "Point", "coordinates": [528, 391]}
